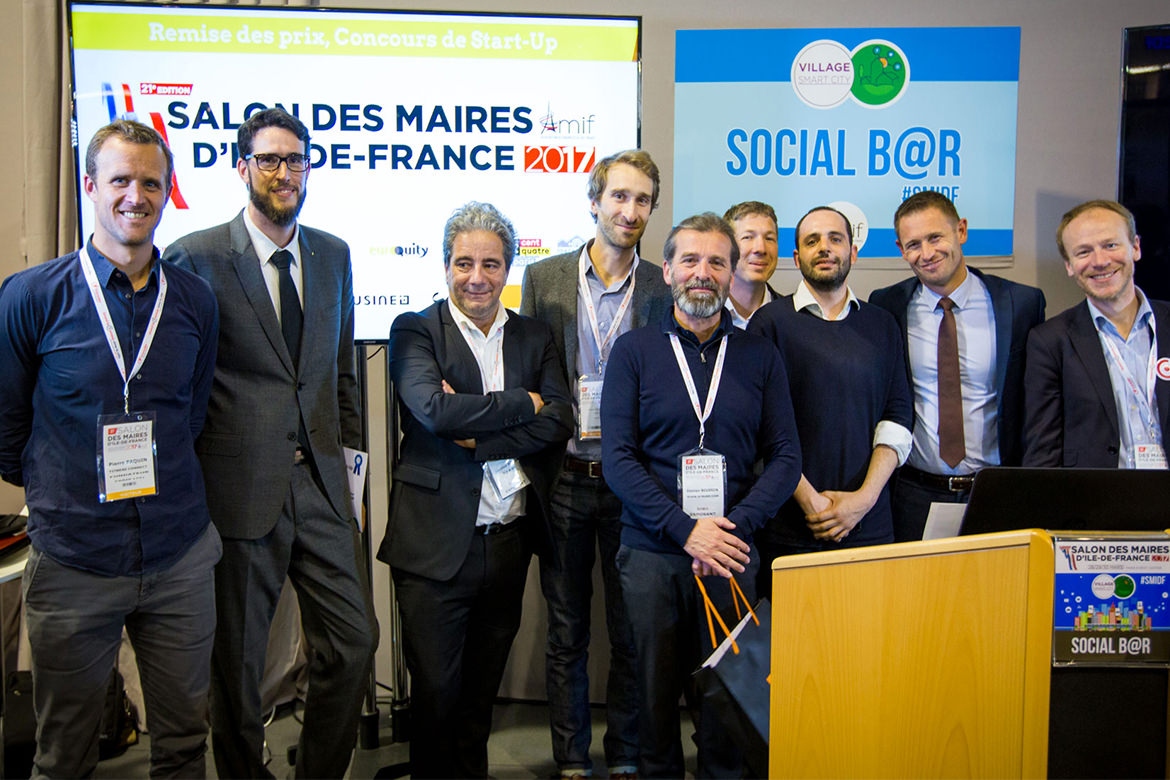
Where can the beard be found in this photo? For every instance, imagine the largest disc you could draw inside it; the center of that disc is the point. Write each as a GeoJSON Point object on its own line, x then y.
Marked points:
{"type": "Point", "coordinates": [698, 306]}
{"type": "Point", "coordinates": [279, 216]}
{"type": "Point", "coordinates": [822, 282]}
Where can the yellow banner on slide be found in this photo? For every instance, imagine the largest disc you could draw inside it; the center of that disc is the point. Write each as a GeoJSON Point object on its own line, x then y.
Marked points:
{"type": "Point", "coordinates": [331, 34]}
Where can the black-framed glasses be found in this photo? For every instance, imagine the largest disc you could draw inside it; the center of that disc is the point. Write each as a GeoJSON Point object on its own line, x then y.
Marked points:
{"type": "Point", "coordinates": [297, 163]}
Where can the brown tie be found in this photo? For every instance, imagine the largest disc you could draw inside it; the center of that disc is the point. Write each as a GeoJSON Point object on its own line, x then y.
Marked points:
{"type": "Point", "coordinates": [950, 389]}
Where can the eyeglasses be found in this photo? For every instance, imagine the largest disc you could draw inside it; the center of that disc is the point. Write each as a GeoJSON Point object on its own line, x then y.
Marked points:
{"type": "Point", "coordinates": [297, 163]}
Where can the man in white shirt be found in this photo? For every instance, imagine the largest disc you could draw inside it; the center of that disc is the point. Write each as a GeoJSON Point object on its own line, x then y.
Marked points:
{"type": "Point", "coordinates": [484, 416]}
{"type": "Point", "coordinates": [836, 347]}
{"type": "Point", "coordinates": [965, 338]}
{"type": "Point", "coordinates": [754, 225]}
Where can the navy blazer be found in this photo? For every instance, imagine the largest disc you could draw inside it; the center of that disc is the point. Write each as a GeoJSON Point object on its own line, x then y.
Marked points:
{"type": "Point", "coordinates": [1018, 308]}
{"type": "Point", "coordinates": [1071, 414]}
{"type": "Point", "coordinates": [434, 498]}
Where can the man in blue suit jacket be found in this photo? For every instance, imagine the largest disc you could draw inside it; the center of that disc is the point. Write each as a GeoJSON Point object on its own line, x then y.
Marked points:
{"type": "Point", "coordinates": [993, 318]}
{"type": "Point", "coordinates": [485, 413]}
{"type": "Point", "coordinates": [1088, 394]}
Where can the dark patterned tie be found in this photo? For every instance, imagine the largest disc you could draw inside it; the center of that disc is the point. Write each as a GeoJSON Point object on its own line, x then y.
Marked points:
{"type": "Point", "coordinates": [951, 446]}
{"type": "Point", "coordinates": [290, 305]}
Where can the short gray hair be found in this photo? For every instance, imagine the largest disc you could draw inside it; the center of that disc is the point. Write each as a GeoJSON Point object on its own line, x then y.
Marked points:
{"type": "Point", "coordinates": [707, 222]}
{"type": "Point", "coordinates": [479, 216]}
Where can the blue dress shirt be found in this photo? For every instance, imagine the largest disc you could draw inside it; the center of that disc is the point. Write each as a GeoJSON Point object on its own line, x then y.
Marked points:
{"type": "Point", "coordinates": [975, 326]}
{"type": "Point", "coordinates": [1137, 421]}
{"type": "Point", "coordinates": [59, 376]}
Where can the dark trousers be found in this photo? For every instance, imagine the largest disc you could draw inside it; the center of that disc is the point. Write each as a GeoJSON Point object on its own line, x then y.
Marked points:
{"type": "Point", "coordinates": [457, 635]}
{"type": "Point", "coordinates": [672, 639]}
{"type": "Point", "coordinates": [320, 553]}
{"type": "Point", "coordinates": [911, 503]}
{"type": "Point", "coordinates": [585, 519]}
{"type": "Point", "coordinates": [75, 622]}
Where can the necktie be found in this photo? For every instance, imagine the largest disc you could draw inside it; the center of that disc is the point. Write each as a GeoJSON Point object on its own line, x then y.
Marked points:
{"type": "Point", "coordinates": [290, 304]}
{"type": "Point", "coordinates": [951, 446]}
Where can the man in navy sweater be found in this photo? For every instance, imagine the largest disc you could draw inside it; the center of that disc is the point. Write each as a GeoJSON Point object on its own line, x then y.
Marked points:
{"type": "Point", "coordinates": [689, 405]}
{"type": "Point", "coordinates": [849, 390]}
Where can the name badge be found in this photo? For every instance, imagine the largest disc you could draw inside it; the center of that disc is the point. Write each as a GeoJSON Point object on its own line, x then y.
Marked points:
{"type": "Point", "coordinates": [1149, 456]}
{"type": "Point", "coordinates": [506, 477]}
{"type": "Point", "coordinates": [127, 466]}
{"type": "Point", "coordinates": [589, 406]}
{"type": "Point", "coordinates": [702, 483]}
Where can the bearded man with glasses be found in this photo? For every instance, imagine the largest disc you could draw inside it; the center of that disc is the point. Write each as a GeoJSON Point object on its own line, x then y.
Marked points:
{"type": "Point", "coordinates": [283, 403]}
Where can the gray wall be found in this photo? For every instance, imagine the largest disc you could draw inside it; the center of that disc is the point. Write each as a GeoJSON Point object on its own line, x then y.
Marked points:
{"type": "Point", "coordinates": [1068, 123]}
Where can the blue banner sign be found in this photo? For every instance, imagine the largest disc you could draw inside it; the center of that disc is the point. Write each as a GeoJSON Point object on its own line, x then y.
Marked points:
{"type": "Point", "coordinates": [857, 118]}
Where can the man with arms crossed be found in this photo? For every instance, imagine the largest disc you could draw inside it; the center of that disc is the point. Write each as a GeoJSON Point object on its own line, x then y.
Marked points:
{"type": "Point", "coordinates": [849, 391]}
{"type": "Point", "coordinates": [754, 225]}
{"type": "Point", "coordinates": [1097, 386]}
{"type": "Point", "coordinates": [485, 413]}
{"type": "Point", "coordinates": [965, 338]}
{"type": "Point", "coordinates": [688, 401]}
{"type": "Point", "coordinates": [285, 400]}
{"type": "Point", "coordinates": [105, 350]}
{"type": "Point", "coordinates": [589, 297]}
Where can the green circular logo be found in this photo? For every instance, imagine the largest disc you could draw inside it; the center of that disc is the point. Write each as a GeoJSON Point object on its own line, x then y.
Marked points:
{"type": "Point", "coordinates": [880, 73]}
{"type": "Point", "coordinates": [1123, 586]}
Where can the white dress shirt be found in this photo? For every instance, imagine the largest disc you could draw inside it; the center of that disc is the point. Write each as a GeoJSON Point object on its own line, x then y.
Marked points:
{"type": "Point", "coordinates": [265, 247]}
{"type": "Point", "coordinates": [887, 432]}
{"type": "Point", "coordinates": [489, 356]}
{"type": "Point", "coordinates": [742, 322]}
{"type": "Point", "coordinates": [975, 324]}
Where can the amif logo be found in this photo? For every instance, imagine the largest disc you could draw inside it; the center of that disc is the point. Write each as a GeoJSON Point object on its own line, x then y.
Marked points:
{"type": "Point", "coordinates": [825, 74]}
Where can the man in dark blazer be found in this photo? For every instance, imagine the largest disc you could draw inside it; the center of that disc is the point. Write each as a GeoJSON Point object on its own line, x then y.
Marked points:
{"type": "Point", "coordinates": [283, 403]}
{"type": "Point", "coordinates": [754, 224]}
{"type": "Point", "coordinates": [1088, 396]}
{"type": "Point", "coordinates": [484, 415]}
{"type": "Point", "coordinates": [624, 292]}
{"type": "Point", "coordinates": [993, 317]}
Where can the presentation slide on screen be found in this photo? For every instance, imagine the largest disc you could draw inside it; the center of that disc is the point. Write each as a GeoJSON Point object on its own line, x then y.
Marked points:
{"type": "Point", "coordinates": [410, 116]}
{"type": "Point", "coordinates": [856, 118]}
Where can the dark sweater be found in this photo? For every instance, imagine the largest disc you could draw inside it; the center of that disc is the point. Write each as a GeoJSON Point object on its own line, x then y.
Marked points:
{"type": "Point", "coordinates": [844, 378]}
{"type": "Point", "coordinates": [647, 422]}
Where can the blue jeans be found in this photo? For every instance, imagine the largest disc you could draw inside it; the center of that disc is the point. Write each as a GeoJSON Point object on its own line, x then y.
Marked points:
{"type": "Point", "coordinates": [585, 517]}
{"type": "Point", "coordinates": [75, 622]}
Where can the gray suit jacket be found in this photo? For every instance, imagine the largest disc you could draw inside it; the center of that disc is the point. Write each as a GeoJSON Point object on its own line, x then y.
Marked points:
{"type": "Point", "coordinates": [250, 436]}
{"type": "Point", "coordinates": [550, 295]}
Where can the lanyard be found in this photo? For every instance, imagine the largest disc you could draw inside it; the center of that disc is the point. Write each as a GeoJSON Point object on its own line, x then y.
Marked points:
{"type": "Point", "coordinates": [712, 391]}
{"type": "Point", "coordinates": [591, 311]}
{"type": "Point", "coordinates": [103, 312]}
{"type": "Point", "coordinates": [1148, 398]}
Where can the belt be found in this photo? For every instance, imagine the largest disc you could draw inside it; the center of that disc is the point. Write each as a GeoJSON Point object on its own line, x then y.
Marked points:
{"type": "Point", "coordinates": [491, 529]}
{"type": "Point", "coordinates": [300, 455]}
{"type": "Point", "coordinates": [956, 483]}
{"type": "Point", "coordinates": [590, 468]}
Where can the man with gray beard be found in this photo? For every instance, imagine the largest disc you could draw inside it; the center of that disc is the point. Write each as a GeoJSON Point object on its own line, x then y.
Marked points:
{"type": "Point", "coordinates": [283, 403]}
{"type": "Point", "coordinates": [673, 418]}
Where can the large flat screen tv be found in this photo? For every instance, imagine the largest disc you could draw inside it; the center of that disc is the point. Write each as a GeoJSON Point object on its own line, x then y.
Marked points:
{"type": "Point", "coordinates": [410, 115]}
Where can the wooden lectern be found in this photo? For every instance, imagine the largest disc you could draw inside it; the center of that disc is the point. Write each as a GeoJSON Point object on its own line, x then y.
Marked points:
{"type": "Point", "coordinates": [926, 659]}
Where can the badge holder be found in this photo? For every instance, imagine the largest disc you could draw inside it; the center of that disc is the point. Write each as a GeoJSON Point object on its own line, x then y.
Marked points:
{"type": "Point", "coordinates": [702, 483]}
{"type": "Point", "coordinates": [506, 477]}
{"type": "Point", "coordinates": [127, 456]}
{"type": "Point", "coordinates": [589, 407]}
